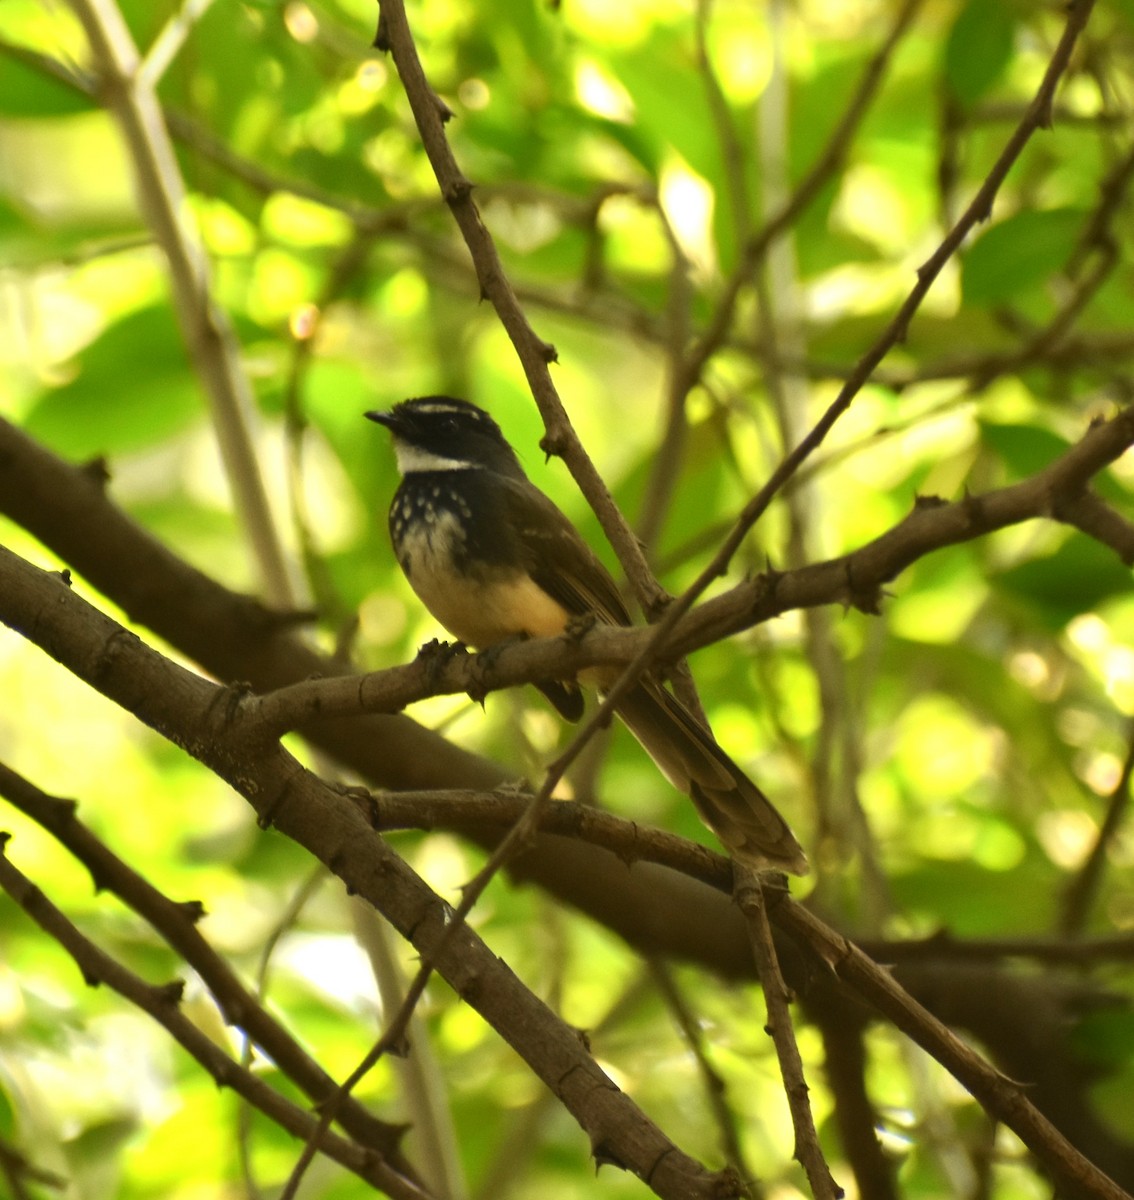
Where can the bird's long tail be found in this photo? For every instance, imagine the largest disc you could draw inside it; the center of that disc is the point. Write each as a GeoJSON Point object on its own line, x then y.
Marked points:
{"type": "Point", "coordinates": [732, 806]}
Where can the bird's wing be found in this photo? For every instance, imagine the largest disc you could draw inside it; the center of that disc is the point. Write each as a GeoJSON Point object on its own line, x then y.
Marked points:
{"type": "Point", "coordinates": [558, 559]}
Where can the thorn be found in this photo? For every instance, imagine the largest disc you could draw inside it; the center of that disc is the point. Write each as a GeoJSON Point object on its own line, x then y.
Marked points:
{"type": "Point", "coordinates": [98, 470]}
{"type": "Point", "coordinates": [171, 993]}
{"type": "Point", "coordinates": [458, 191]}
{"type": "Point", "coordinates": [604, 1156]}
{"type": "Point", "coordinates": [553, 445]}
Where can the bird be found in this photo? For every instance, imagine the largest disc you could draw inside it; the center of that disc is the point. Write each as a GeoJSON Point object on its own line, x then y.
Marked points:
{"type": "Point", "coordinates": [494, 559]}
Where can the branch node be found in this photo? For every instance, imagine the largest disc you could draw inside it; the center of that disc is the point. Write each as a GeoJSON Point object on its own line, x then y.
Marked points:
{"type": "Point", "coordinates": [97, 470]}
{"type": "Point", "coordinates": [443, 110]}
{"type": "Point", "coordinates": [458, 190]}
{"type": "Point", "coordinates": [170, 993]}
{"type": "Point", "coordinates": [192, 910]}
{"type": "Point", "coordinates": [604, 1156]}
{"type": "Point", "coordinates": [553, 444]}
{"type": "Point", "coordinates": [267, 814]}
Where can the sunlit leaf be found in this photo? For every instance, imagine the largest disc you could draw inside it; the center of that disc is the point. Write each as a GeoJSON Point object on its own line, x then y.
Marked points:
{"type": "Point", "coordinates": [133, 388]}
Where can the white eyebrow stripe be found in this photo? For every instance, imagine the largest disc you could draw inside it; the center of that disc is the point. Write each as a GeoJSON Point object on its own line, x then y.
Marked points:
{"type": "Point", "coordinates": [442, 406]}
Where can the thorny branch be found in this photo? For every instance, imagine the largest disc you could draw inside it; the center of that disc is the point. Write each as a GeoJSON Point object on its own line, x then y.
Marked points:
{"type": "Point", "coordinates": [1086, 512]}
{"type": "Point", "coordinates": [207, 720]}
{"type": "Point", "coordinates": [162, 1004]}
{"type": "Point", "coordinates": [1058, 492]}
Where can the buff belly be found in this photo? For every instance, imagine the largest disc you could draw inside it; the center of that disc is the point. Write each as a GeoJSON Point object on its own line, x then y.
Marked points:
{"type": "Point", "coordinates": [482, 607]}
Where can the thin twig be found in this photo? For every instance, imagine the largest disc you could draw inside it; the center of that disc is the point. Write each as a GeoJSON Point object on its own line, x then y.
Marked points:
{"type": "Point", "coordinates": [858, 578]}
{"type": "Point", "coordinates": [1000, 1096]}
{"type": "Point", "coordinates": [535, 355]}
{"type": "Point", "coordinates": [393, 1039]}
{"type": "Point", "coordinates": [1037, 116]}
{"type": "Point", "coordinates": [176, 923]}
{"type": "Point", "coordinates": [207, 331]}
{"type": "Point", "coordinates": [168, 43]}
{"type": "Point", "coordinates": [712, 1081]}
{"type": "Point", "coordinates": [162, 1004]}
{"type": "Point", "coordinates": [829, 161]}
{"type": "Point", "coordinates": [208, 721]}
{"type": "Point", "coordinates": [170, 698]}
{"type": "Point", "coordinates": [1084, 887]}
{"type": "Point", "coordinates": [751, 899]}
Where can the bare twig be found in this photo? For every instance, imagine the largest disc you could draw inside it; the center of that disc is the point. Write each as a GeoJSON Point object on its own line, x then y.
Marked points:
{"type": "Point", "coordinates": [121, 667]}
{"type": "Point", "coordinates": [208, 722]}
{"type": "Point", "coordinates": [858, 578]}
{"type": "Point", "coordinates": [176, 923]}
{"type": "Point", "coordinates": [712, 1082]}
{"type": "Point", "coordinates": [535, 355]}
{"type": "Point", "coordinates": [751, 899]}
{"type": "Point", "coordinates": [168, 43]}
{"type": "Point", "coordinates": [207, 331]}
{"type": "Point", "coordinates": [1002, 1097]}
{"type": "Point", "coordinates": [1084, 887]}
{"type": "Point", "coordinates": [829, 161]}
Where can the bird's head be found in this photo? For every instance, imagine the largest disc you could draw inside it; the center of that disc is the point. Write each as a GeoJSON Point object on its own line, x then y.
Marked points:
{"type": "Point", "coordinates": [440, 433]}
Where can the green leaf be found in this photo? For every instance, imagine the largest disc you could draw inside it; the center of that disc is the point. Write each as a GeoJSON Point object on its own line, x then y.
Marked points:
{"type": "Point", "coordinates": [979, 48]}
{"type": "Point", "coordinates": [27, 92]}
{"type": "Point", "coordinates": [669, 100]}
{"type": "Point", "coordinates": [1106, 1038]}
{"type": "Point", "coordinates": [1024, 449]}
{"type": "Point", "coordinates": [1018, 253]}
{"type": "Point", "coordinates": [1077, 578]}
{"type": "Point", "coordinates": [133, 388]}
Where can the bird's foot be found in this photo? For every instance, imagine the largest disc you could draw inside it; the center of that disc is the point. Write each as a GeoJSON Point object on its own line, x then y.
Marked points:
{"type": "Point", "coordinates": [435, 655]}
{"type": "Point", "coordinates": [579, 626]}
{"type": "Point", "coordinates": [486, 661]}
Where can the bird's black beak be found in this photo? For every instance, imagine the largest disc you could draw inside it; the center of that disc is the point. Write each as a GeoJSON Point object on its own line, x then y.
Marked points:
{"type": "Point", "coordinates": [383, 418]}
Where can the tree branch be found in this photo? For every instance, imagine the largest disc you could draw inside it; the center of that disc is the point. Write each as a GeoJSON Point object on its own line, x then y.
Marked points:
{"type": "Point", "coordinates": [123, 85]}
{"type": "Point", "coordinates": [162, 1004]}
{"type": "Point", "coordinates": [430, 113]}
{"type": "Point", "coordinates": [177, 924]}
{"type": "Point", "coordinates": [655, 909]}
{"type": "Point", "coordinates": [207, 721]}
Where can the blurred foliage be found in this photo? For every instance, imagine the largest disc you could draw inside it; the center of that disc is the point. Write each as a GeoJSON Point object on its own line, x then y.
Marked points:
{"type": "Point", "coordinates": [980, 722]}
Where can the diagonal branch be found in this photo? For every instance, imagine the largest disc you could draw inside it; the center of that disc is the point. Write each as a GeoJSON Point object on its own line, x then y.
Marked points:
{"type": "Point", "coordinates": [127, 92]}
{"type": "Point", "coordinates": [207, 721]}
{"type": "Point", "coordinates": [430, 113]}
{"type": "Point", "coordinates": [858, 579]}
{"type": "Point", "coordinates": [162, 1004]}
{"type": "Point", "coordinates": [651, 907]}
{"type": "Point", "coordinates": [176, 923]}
